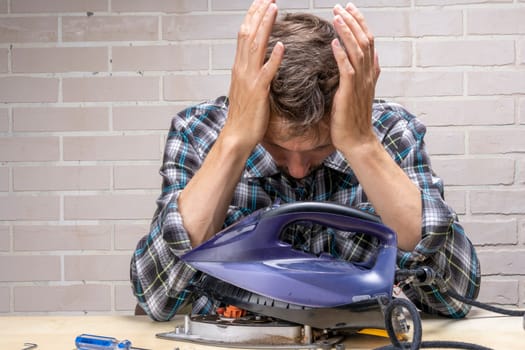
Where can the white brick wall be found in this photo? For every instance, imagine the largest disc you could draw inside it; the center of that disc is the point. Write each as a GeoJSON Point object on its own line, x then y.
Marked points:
{"type": "Point", "coordinates": [87, 90]}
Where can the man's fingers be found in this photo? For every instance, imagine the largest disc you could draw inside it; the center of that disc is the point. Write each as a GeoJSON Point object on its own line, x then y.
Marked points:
{"type": "Point", "coordinates": [258, 46]}
{"type": "Point", "coordinates": [377, 67]}
{"type": "Point", "coordinates": [356, 37]}
{"type": "Point", "coordinates": [354, 11]}
{"type": "Point", "coordinates": [355, 54]}
{"type": "Point", "coordinates": [272, 65]}
{"type": "Point", "coordinates": [250, 27]}
{"type": "Point", "coordinates": [346, 70]}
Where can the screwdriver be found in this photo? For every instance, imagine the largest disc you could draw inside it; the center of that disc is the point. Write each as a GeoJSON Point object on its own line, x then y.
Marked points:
{"type": "Point", "coordinates": [98, 342]}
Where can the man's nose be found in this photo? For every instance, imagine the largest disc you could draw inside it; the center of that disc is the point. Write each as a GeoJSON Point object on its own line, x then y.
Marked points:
{"type": "Point", "coordinates": [298, 166]}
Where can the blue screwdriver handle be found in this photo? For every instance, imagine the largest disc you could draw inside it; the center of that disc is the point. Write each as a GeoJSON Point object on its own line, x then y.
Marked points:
{"type": "Point", "coordinates": [98, 342]}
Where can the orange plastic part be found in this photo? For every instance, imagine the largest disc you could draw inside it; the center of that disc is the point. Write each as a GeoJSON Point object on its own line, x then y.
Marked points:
{"type": "Point", "coordinates": [234, 312]}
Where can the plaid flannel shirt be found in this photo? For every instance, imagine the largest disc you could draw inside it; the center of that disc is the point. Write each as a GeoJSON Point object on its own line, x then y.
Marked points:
{"type": "Point", "coordinates": [162, 282]}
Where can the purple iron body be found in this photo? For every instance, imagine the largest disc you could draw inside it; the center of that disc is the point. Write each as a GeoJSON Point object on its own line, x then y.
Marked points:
{"type": "Point", "coordinates": [250, 255]}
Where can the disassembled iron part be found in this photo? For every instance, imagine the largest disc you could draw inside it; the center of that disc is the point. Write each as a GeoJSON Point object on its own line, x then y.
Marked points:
{"type": "Point", "coordinates": [248, 332]}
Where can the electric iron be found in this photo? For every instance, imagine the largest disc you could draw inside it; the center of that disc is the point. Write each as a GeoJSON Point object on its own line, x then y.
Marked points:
{"type": "Point", "coordinates": [290, 298]}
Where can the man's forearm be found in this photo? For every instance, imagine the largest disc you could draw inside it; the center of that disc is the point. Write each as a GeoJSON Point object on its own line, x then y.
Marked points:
{"type": "Point", "coordinates": [395, 197]}
{"type": "Point", "coordinates": [204, 202]}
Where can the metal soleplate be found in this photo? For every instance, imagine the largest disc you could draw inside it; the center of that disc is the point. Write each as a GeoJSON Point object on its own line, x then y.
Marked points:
{"type": "Point", "coordinates": [250, 334]}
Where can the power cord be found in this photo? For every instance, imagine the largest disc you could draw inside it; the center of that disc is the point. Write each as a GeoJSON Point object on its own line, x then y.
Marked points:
{"type": "Point", "coordinates": [421, 276]}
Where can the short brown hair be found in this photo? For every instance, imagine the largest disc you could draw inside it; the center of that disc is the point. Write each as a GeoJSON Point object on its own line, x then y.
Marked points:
{"type": "Point", "coordinates": [303, 89]}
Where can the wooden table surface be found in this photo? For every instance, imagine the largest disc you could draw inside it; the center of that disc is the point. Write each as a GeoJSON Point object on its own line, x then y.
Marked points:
{"type": "Point", "coordinates": [59, 332]}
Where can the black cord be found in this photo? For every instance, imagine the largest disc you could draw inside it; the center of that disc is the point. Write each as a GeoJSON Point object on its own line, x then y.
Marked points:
{"type": "Point", "coordinates": [487, 307]}
{"type": "Point", "coordinates": [416, 319]}
{"type": "Point", "coordinates": [440, 345]}
{"type": "Point", "coordinates": [426, 275]}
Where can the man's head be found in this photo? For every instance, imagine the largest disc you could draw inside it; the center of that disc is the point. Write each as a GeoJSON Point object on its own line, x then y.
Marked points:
{"type": "Point", "coordinates": [301, 94]}
{"type": "Point", "coordinates": [302, 91]}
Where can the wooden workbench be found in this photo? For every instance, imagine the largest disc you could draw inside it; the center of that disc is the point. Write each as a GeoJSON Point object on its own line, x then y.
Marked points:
{"type": "Point", "coordinates": [59, 332]}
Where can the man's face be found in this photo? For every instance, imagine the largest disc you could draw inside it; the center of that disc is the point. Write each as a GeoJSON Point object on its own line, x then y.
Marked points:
{"type": "Point", "coordinates": [297, 156]}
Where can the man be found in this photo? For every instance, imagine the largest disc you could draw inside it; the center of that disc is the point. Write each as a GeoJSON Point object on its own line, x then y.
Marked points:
{"type": "Point", "coordinates": [300, 123]}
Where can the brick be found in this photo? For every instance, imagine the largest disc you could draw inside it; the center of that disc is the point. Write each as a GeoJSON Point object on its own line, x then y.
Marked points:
{"type": "Point", "coordinates": [4, 120]}
{"type": "Point", "coordinates": [502, 262]}
{"type": "Point", "coordinates": [503, 292]}
{"type": "Point", "coordinates": [5, 299]}
{"type": "Point", "coordinates": [457, 2]}
{"type": "Point", "coordinates": [41, 207]}
{"type": "Point", "coordinates": [127, 236]}
{"type": "Point", "coordinates": [394, 53]}
{"type": "Point", "coordinates": [32, 6]}
{"type": "Point", "coordinates": [195, 87]}
{"type": "Point", "coordinates": [496, 83]}
{"type": "Point", "coordinates": [414, 23]}
{"type": "Point", "coordinates": [29, 268]}
{"type": "Point", "coordinates": [124, 298]}
{"type": "Point", "coordinates": [522, 112]}
{"type": "Point", "coordinates": [161, 58]}
{"type": "Point", "coordinates": [111, 89]}
{"type": "Point", "coordinates": [4, 179]}
{"type": "Point", "coordinates": [137, 177]}
{"type": "Point", "coordinates": [465, 53]}
{"type": "Point", "coordinates": [5, 239]}
{"type": "Point", "coordinates": [42, 119]}
{"type": "Point", "coordinates": [28, 89]}
{"type": "Point", "coordinates": [60, 59]}
{"type": "Point", "coordinates": [520, 173]}
{"type": "Point", "coordinates": [495, 21]}
{"type": "Point", "coordinates": [443, 141]}
{"type": "Point", "coordinates": [28, 29]}
{"type": "Point", "coordinates": [167, 6]}
{"type": "Point", "coordinates": [110, 28]}
{"type": "Point", "coordinates": [497, 201]}
{"type": "Point", "coordinates": [456, 199]}
{"type": "Point", "coordinates": [85, 297]}
{"type": "Point", "coordinates": [222, 55]}
{"type": "Point", "coordinates": [431, 22]}
{"type": "Point", "coordinates": [144, 117]}
{"type": "Point", "coordinates": [495, 141]}
{"type": "Point", "coordinates": [4, 59]}
{"type": "Point", "coordinates": [521, 231]}
{"type": "Point", "coordinates": [234, 5]}
{"type": "Point", "coordinates": [408, 83]}
{"type": "Point", "coordinates": [493, 232]}
{"type": "Point", "coordinates": [132, 147]}
{"type": "Point", "coordinates": [363, 3]}
{"type": "Point", "coordinates": [96, 267]}
{"type": "Point", "coordinates": [484, 111]}
{"type": "Point", "coordinates": [478, 171]}
{"type": "Point", "coordinates": [61, 178]}
{"type": "Point", "coordinates": [196, 27]}
{"type": "Point", "coordinates": [27, 149]}
{"type": "Point", "coordinates": [61, 237]}
{"type": "Point", "coordinates": [521, 51]}
{"type": "Point", "coordinates": [522, 294]}
{"type": "Point", "coordinates": [109, 207]}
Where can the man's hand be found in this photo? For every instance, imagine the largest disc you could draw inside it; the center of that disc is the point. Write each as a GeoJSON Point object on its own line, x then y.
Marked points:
{"type": "Point", "coordinates": [358, 72]}
{"type": "Point", "coordinates": [248, 113]}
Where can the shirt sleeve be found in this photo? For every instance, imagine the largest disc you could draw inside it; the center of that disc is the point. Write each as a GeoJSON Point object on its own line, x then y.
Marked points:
{"type": "Point", "coordinates": [159, 278]}
{"type": "Point", "coordinates": [444, 246]}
